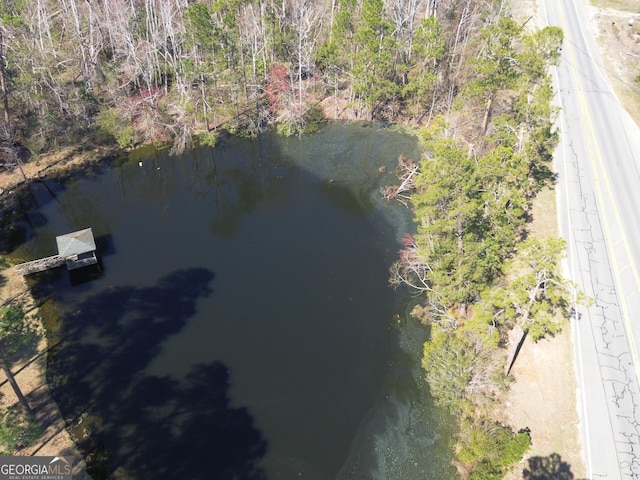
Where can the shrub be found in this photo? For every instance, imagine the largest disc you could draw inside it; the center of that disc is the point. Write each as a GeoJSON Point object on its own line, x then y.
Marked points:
{"type": "Point", "coordinates": [490, 448]}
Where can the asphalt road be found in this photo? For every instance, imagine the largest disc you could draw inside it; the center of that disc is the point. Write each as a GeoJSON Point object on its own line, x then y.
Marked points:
{"type": "Point", "coordinates": [598, 165]}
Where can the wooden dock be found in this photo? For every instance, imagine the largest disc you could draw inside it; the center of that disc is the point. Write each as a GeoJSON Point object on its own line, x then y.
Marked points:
{"type": "Point", "coordinates": [75, 250]}
{"type": "Point", "coordinates": [40, 265]}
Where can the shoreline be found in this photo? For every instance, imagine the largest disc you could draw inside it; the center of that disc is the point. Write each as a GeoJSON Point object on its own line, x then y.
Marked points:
{"type": "Point", "coordinates": [32, 377]}
{"type": "Point", "coordinates": [61, 162]}
{"type": "Point", "coordinates": [14, 290]}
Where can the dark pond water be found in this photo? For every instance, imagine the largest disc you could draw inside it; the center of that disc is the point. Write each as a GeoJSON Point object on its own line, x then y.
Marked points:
{"type": "Point", "coordinates": [242, 325]}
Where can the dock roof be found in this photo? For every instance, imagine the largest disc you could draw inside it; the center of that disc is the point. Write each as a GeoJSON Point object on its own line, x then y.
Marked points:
{"type": "Point", "coordinates": [76, 243]}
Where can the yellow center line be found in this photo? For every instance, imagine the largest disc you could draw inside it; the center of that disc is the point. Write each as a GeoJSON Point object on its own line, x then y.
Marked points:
{"type": "Point", "coordinates": [597, 164]}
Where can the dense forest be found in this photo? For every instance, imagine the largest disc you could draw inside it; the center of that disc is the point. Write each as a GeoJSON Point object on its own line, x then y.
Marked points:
{"type": "Point", "coordinates": [159, 70]}
{"type": "Point", "coordinates": [468, 76]}
{"type": "Point", "coordinates": [169, 70]}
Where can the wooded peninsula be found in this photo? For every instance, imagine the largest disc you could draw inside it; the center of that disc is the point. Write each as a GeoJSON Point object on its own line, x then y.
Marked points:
{"type": "Point", "coordinates": [465, 74]}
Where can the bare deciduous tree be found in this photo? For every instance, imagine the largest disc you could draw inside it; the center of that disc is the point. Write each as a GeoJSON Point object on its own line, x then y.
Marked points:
{"type": "Point", "coordinates": [407, 169]}
{"type": "Point", "coordinates": [306, 20]}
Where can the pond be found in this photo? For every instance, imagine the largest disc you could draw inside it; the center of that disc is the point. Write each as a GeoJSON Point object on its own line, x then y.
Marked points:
{"type": "Point", "coordinates": [241, 324]}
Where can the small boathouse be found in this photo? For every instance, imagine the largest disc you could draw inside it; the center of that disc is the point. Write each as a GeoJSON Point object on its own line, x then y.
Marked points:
{"type": "Point", "coordinates": [75, 250]}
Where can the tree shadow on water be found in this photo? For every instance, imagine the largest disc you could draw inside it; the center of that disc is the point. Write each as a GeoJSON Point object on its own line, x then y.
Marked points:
{"type": "Point", "coordinates": [551, 467]}
{"type": "Point", "coordinates": [133, 425]}
{"type": "Point", "coordinates": [188, 429]}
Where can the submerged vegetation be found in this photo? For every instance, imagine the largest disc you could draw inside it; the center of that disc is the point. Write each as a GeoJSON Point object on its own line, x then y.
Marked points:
{"type": "Point", "coordinates": [472, 79]}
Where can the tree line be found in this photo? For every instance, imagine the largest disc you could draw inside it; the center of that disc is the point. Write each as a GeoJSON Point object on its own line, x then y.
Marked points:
{"type": "Point", "coordinates": [471, 260]}
{"type": "Point", "coordinates": [169, 70]}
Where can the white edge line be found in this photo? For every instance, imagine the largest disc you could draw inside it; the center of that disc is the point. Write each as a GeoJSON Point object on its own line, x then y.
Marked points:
{"type": "Point", "coordinates": [571, 257]}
